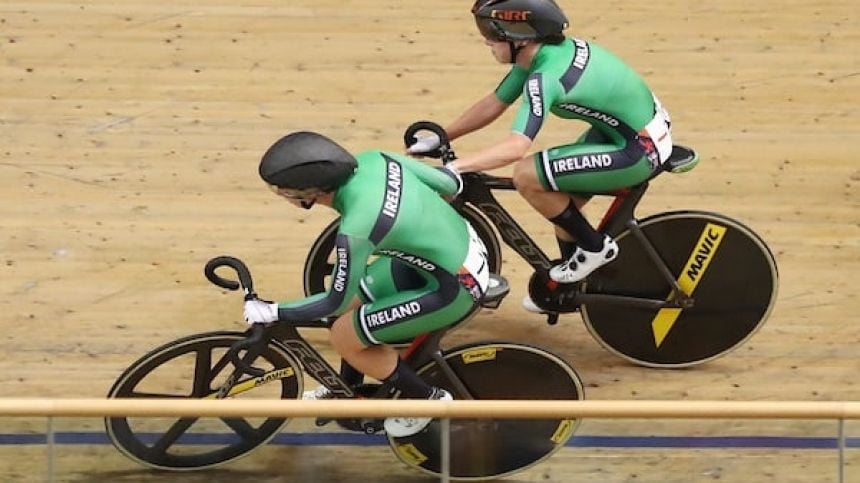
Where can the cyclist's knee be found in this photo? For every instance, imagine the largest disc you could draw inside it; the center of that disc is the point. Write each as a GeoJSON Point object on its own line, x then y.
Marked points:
{"type": "Point", "coordinates": [343, 336]}
{"type": "Point", "coordinates": [525, 176]}
{"type": "Point", "coordinates": [579, 200]}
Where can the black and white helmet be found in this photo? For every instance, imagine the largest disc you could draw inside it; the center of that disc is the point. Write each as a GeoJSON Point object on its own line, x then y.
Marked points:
{"type": "Point", "coordinates": [306, 160]}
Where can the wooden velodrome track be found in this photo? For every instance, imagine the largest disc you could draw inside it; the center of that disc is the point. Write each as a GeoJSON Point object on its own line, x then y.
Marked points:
{"type": "Point", "coordinates": [130, 133]}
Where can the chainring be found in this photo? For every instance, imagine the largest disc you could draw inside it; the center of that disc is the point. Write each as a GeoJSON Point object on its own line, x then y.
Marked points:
{"type": "Point", "coordinates": [552, 296]}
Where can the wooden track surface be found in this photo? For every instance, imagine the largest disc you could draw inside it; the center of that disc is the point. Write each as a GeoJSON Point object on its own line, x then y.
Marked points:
{"type": "Point", "coordinates": [130, 134]}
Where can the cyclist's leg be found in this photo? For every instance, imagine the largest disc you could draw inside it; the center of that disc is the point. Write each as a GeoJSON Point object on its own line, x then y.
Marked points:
{"type": "Point", "coordinates": [551, 203]}
{"type": "Point", "coordinates": [387, 276]}
{"type": "Point", "coordinates": [362, 336]}
{"type": "Point", "coordinates": [567, 241]}
{"type": "Point", "coordinates": [395, 311]}
{"type": "Point", "coordinates": [384, 277]}
{"type": "Point", "coordinates": [350, 375]}
{"type": "Point", "coordinates": [580, 168]}
{"type": "Point", "coordinates": [548, 203]}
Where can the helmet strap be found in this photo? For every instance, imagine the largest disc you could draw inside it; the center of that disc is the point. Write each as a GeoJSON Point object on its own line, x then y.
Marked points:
{"type": "Point", "coordinates": [515, 50]}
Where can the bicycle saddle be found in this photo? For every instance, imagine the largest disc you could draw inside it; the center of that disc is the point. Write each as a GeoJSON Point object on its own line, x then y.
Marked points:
{"type": "Point", "coordinates": [496, 291]}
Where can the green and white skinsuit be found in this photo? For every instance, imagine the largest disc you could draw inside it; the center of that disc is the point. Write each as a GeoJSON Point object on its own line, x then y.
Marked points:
{"type": "Point", "coordinates": [431, 268]}
{"type": "Point", "coordinates": [629, 137]}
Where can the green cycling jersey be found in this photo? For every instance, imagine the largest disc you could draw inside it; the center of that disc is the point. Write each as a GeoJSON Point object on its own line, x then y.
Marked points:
{"type": "Point", "coordinates": [629, 130]}
{"type": "Point", "coordinates": [391, 208]}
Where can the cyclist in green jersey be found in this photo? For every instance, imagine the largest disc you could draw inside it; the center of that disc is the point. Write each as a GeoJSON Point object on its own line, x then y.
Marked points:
{"type": "Point", "coordinates": [431, 268]}
{"type": "Point", "coordinates": [627, 141]}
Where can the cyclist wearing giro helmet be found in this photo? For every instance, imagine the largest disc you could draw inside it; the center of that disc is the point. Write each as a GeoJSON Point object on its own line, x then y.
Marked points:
{"type": "Point", "coordinates": [627, 141]}
{"type": "Point", "coordinates": [430, 272]}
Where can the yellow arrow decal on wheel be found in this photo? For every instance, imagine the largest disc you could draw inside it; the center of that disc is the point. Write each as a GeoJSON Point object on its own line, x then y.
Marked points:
{"type": "Point", "coordinates": [410, 454]}
{"type": "Point", "coordinates": [690, 276]}
{"type": "Point", "coordinates": [562, 432]}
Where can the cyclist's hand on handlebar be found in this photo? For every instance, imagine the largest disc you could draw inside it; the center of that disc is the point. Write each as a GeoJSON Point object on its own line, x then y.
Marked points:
{"type": "Point", "coordinates": [425, 145]}
{"type": "Point", "coordinates": [260, 312]}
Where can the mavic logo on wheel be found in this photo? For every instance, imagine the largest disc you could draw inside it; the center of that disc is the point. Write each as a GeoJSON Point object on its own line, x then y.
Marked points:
{"type": "Point", "coordinates": [249, 384]}
{"type": "Point", "coordinates": [479, 355]}
{"type": "Point", "coordinates": [274, 376]}
{"type": "Point", "coordinates": [562, 433]}
{"type": "Point", "coordinates": [704, 253]}
{"type": "Point", "coordinates": [690, 277]}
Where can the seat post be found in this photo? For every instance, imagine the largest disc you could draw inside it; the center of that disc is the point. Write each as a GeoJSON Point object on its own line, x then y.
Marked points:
{"type": "Point", "coordinates": [622, 208]}
{"type": "Point", "coordinates": [415, 345]}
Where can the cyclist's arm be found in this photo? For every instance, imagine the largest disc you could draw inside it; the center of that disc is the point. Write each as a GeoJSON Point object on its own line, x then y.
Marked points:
{"type": "Point", "coordinates": [538, 95]}
{"type": "Point", "coordinates": [351, 255]}
{"type": "Point", "coordinates": [512, 85]}
{"type": "Point", "coordinates": [441, 182]}
{"type": "Point", "coordinates": [512, 148]}
{"type": "Point", "coordinates": [491, 106]}
{"type": "Point", "coordinates": [482, 113]}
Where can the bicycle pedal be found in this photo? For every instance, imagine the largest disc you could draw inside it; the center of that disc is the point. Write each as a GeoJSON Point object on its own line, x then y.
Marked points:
{"type": "Point", "coordinates": [372, 426]}
{"type": "Point", "coordinates": [366, 426]}
{"type": "Point", "coordinates": [320, 422]}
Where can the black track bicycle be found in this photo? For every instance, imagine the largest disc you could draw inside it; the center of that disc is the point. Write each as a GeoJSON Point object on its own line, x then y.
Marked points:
{"type": "Point", "coordinates": [269, 361]}
{"type": "Point", "coordinates": [687, 286]}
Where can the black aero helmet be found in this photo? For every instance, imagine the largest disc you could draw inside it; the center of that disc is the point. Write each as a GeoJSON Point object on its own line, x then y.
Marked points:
{"type": "Point", "coordinates": [514, 20]}
{"type": "Point", "coordinates": [303, 160]}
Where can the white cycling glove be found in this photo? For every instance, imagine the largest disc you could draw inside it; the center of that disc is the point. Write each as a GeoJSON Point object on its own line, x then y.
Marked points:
{"type": "Point", "coordinates": [260, 312]}
{"type": "Point", "coordinates": [425, 144]}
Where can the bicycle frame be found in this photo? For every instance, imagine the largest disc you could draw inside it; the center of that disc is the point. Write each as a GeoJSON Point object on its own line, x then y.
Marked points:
{"type": "Point", "coordinates": [289, 356]}
{"type": "Point", "coordinates": [478, 193]}
{"type": "Point", "coordinates": [620, 215]}
{"type": "Point", "coordinates": [422, 350]}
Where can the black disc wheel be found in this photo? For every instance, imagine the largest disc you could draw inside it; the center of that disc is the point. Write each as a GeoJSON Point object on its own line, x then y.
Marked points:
{"type": "Point", "coordinates": [195, 367]}
{"type": "Point", "coordinates": [320, 260]}
{"type": "Point", "coordinates": [485, 448]}
{"type": "Point", "coordinates": [724, 266]}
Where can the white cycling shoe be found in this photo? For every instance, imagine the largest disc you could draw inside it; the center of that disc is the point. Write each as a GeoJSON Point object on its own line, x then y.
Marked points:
{"type": "Point", "coordinates": [400, 427]}
{"type": "Point", "coordinates": [583, 262]}
{"type": "Point", "coordinates": [321, 392]}
{"type": "Point", "coordinates": [531, 306]}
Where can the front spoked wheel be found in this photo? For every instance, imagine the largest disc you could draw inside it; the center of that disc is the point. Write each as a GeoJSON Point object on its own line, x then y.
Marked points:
{"type": "Point", "coordinates": [483, 448]}
{"type": "Point", "coordinates": [724, 266]}
{"type": "Point", "coordinates": [196, 367]}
